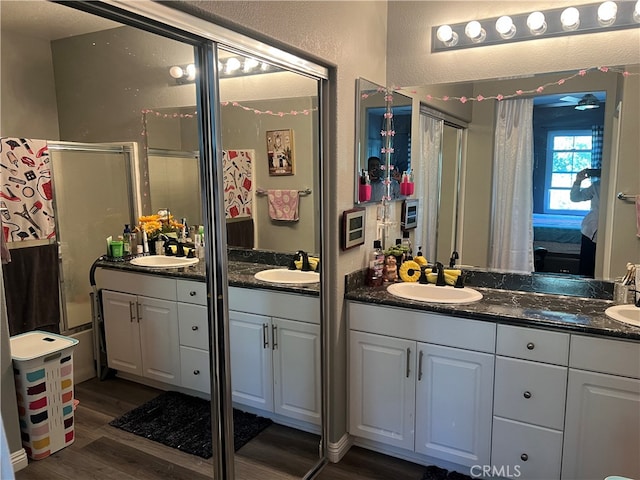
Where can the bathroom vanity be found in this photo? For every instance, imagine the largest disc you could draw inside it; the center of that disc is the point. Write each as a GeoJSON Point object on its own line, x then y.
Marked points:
{"type": "Point", "coordinates": [156, 332]}
{"type": "Point", "coordinates": [534, 386]}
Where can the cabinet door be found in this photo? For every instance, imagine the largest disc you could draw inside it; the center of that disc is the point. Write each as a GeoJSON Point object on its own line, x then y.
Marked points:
{"type": "Point", "coordinates": [382, 388]}
{"type": "Point", "coordinates": [159, 340]}
{"type": "Point", "coordinates": [250, 345]}
{"type": "Point", "coordinates": [454, 404]}
{"type": "Point", "coordinates": [296, 369]}
{"type": "Point", "coordinates": [602, 427]}
{"type": "Point", "coordinates": [122, 334]}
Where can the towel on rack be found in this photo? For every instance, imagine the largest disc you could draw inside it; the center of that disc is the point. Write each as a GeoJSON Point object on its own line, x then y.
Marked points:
{"type": "Point", "coordinates": [638, 216]}
{"type": "Point", "coordinates": [283, 205]}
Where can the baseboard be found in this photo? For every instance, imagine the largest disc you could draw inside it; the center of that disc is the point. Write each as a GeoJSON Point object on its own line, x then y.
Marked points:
{"type": "Point", "coordinates": [337, 450]}
{"type": "Point", "coordinates": [19, 460]}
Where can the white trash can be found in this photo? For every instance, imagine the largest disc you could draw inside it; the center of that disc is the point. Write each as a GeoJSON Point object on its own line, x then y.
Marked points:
{"type": "Point", "coordinates": [43, 372]}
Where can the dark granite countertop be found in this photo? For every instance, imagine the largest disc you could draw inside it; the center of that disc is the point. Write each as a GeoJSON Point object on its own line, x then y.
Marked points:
{"type": "Point", "coordinates": [568, 313]}
{"type": "Point", "coordinates": [239, 274]}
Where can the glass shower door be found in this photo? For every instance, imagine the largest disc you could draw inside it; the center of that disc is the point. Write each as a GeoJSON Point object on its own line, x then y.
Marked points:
{"type": "Point", "coordinates": [93, 200]}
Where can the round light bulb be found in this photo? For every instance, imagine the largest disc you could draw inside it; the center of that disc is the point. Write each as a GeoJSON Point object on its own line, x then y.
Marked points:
{"type": "Point", "coordinates": [607, 13]}
{"type": "Point", "coordinates": [570, 19]}
{"type": "Point", "coordinates": [444, 33]}
{"type": "Point", "coordinates": [250, 64]}
{"type": "Point", "coordinates": [505, 27]}
{"type": "Point", "coordinates": [536, 23]}
{"type": "Point", "coordinates": [176, 72]}
{"type": "Point", "coordinates": [447, 36]}
{"type": "Point", "coordinates": [191, 72]}
{"type": "Point", "coordinates": [233, 64]}
{"type": "Point", "coordinates": [474, 31]}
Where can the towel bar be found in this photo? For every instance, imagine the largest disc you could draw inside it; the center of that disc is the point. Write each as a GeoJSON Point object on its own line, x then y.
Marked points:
{"type": "Point", "coordinates": [625, 196]}
{"type": "Point", "coordinates": [306, 191]}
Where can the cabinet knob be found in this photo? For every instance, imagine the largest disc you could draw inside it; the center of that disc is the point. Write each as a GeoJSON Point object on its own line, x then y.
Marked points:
{"type": "Point", "coordinates": [530, 346]}
{"type": "Point", "coordinates": [524, 457]}
{"type": "Point", "coordinates": [527, 394]}
{"type": "Point", "coordinates": [192, 293]}
{"type": "Point", "coordinates": [194, 328]}
{"type": "Point", "coordinates": [196, 372]}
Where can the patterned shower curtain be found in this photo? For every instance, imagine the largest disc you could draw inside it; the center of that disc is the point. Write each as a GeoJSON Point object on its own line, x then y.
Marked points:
{"type": "Point", "coordinates": [26, 195]}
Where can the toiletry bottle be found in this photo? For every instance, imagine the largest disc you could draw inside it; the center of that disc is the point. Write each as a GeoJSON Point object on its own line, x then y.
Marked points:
{"type": "Point", "coordinates": [126, 238]}
{"type": "Point", "coordinates": [406, 242]}
{"type": "Point", "coordinates": [376, 265]}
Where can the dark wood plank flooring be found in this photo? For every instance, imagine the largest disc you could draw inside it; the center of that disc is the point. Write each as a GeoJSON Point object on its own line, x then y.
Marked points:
{"type": "Point", "coordinates": [103, 452]}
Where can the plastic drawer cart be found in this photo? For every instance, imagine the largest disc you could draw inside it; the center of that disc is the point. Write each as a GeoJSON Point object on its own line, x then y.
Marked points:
{"type": "Point", "coordinates": [43, 370]}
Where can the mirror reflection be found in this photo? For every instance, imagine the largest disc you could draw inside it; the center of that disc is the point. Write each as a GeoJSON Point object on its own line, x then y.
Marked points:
{"type": "Point", "coordinates": [383, 143]}
{"type": "Point", "coordinates": [565, 139]}
{"type": "Point", "coordinates": [96, 81]}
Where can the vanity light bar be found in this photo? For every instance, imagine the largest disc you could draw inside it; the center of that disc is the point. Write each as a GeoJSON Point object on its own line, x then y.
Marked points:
{"type": "Point", "coordinates": [591, 18]}
{"type": "Point", "coordinates": [228, 67]}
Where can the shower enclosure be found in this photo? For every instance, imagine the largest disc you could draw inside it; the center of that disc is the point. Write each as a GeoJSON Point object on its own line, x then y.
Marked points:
{"type": "Point", "coordinates": [94, 197]}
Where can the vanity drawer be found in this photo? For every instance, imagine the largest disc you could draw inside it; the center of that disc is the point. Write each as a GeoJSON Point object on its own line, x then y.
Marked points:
{"type": "Point", "coordinates": [192, 292]}
{"type": "Point", "coordinates": [137, 284]}
{"type": "Point", "coordinates": [193, 327]}
{"type": "Point", "coordinates": [533, 344]}
{"type": "Point", "coordinates": [530, 392]}
{"type": "Point", "coordinates": [194, 364]}
{"type": "Point", "coordinates": [604, 355]}
{"type": "Point", "coordinates": [534, 451]}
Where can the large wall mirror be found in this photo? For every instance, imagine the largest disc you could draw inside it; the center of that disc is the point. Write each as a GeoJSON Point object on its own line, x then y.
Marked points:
{"type": "Point", "coordinates": [383, 142]}
{"type": "Point", "coordinates": [555, 219]}
{"type": "Point", "coordinates": [103, 89]}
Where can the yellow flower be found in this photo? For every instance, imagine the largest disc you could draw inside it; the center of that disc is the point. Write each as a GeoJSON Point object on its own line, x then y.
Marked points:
{"type": "Point", "coordinates": [154, 225]}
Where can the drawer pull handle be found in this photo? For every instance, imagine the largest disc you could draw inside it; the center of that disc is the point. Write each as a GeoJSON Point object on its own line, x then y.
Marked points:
{"type": "Point", "coordinates": [194, 328]}
{"type": "Point", "coordinates": [192, 293]}
{"type": "Point", "coordinates": [524, 457]}
{"type": "Point", "coordinates": [530, 346]}
{"type": "Point", "coordinates": [527, 394]}
{"type": "Point", "coordinates": [196, 372]}
{"type": "Point", "coordinates": [420, 355]}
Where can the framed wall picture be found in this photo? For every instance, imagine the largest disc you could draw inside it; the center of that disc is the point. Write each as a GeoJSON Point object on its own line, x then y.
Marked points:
{"type": "Point", "coordinates": [280, 152]}
{"type": "Point", "coordinates": [353, 223]}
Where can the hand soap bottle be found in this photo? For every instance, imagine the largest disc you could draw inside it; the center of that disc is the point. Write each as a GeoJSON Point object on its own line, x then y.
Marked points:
{"type": "Point", "coordinates": [126, 238]}
{"type": "Point", "coordinates": [375, 274]}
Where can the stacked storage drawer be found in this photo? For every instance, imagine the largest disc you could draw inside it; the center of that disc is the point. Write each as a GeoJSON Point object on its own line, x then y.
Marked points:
{"type": "Point", "coordinates": [529, 400]}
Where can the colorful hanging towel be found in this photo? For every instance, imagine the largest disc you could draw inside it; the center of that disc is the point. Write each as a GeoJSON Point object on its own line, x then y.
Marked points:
{"type": "Point", "coordinates": [283, 205]}
{"type": "Point", "coordinates": [25, 190]}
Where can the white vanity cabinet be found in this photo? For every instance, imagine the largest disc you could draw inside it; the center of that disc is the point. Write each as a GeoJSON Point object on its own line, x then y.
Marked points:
{"type": "Point", "coordinates": [141, 325]}
{"type": "Point", "coordinates": [529, 401]}
{"type": "Point", "coordinates": [275, 353]}
{"type": "Point", "coordinates": [422, 382]}
{"type": "Point", "coordinates": [602, 428]}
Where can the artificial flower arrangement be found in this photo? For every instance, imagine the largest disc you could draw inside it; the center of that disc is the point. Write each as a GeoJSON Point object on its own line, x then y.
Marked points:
{"type": "Point", "coordinates": [160, 223]}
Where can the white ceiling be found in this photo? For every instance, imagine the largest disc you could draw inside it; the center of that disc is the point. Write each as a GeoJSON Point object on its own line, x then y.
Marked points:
{"type": "Point", "coordinates": [48, 21]}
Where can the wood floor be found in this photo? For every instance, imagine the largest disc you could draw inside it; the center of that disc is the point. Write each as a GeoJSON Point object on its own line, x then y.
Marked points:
{"type": "Point", "coordinates": [107, 453]}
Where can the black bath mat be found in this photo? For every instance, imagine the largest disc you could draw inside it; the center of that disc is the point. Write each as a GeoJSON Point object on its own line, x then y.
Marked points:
{"type": "Point", "coordinates": [184, 422]}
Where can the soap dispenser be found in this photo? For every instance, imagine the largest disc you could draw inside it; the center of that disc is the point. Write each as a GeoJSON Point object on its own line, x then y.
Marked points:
{"type": "Point", "coordinates": [126, 238]}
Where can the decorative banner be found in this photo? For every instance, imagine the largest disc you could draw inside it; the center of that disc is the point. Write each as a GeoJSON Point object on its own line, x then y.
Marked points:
{"type": "Point", "coordinates": [237, 168]}
{"type": "Point", "coordinates": [26, 194]}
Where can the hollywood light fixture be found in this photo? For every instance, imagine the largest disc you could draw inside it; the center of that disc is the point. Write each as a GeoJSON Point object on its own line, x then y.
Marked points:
{"type": "Point", "coordinates": [589, 18]}
{"type": "Point", "coordinates": [236, 66]}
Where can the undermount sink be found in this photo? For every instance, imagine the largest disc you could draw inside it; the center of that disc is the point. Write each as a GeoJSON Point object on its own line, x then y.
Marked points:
{"type": "Point", "coordinates": [162, 261]}
{"type": "Point", "coordinates": [285, 276]}
{"type": "Point", "coordinates": [433, 294]}
{"type": "Point", "coordinates": [628, 313]}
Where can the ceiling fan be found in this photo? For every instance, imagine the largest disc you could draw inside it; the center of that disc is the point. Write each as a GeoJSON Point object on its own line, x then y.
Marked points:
{"type": "Point", "coordinates": [578, 101]}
